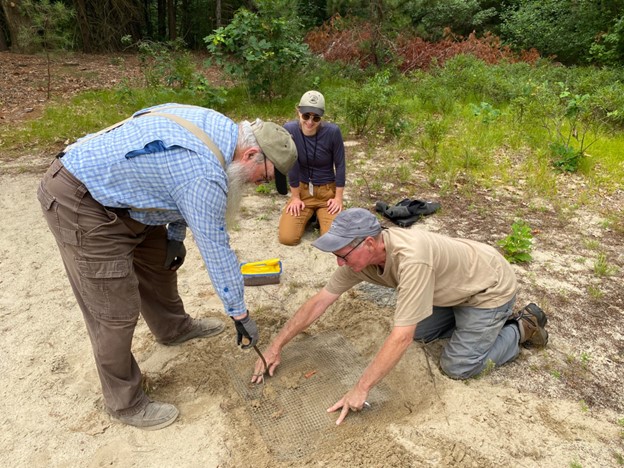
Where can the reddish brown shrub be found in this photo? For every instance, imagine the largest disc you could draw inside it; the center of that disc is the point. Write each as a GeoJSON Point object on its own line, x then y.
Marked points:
{"type": "Point", "coordinates": [345, 41]}
{"type": "Point", "coordinates": [351, 41]}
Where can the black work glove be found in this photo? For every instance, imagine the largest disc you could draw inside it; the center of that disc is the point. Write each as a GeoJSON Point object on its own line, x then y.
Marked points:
{"type": "Point", "coordinates": [246, 332]}
{"type": "Point", "coordinates": [175, 255]}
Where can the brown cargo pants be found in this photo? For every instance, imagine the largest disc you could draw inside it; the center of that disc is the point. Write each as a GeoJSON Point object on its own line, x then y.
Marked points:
{"type": "Point", "coordinates": [115, 268]}
{"type": "Point", "coordinates": [291, 228]}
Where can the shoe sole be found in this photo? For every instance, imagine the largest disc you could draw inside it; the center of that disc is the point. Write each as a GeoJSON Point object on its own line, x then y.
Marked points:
{"type": "Point", "coordinates": [540, 338]}
{"type": "Point", "coordinates": [153, 427]}
{"type": "Point", "coordinates": [538, 313]}
{"type": "Point", "coordinates": [161, 425]}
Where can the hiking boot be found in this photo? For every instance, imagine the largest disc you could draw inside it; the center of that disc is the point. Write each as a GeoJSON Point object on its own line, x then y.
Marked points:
{"type": "Point", "coordinates": [531, 321]}
{"type": "Point", "coordinates": [201, 328]}
{"type": "Point", "coordinates": [155, 415]}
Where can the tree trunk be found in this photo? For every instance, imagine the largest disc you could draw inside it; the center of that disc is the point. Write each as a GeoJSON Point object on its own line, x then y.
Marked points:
{"type": "Point", "coordinates": [377, 15]}
{"type": "Point", "coordinates": [162, 23]}
{"type": "Point", "coordinates": [171, 17]}
{"type": "Point", "coordinates": [148, 19]}
{"type": "Point", "coordinates": [185, 24]}
{"type": "Point", "coordinates": [83, 25]}
{"type": "Point", "coordinates": [3, 34]}
{"type": "Point", "coordinates": [218, 14]}
{"type": "Point", "coordinates": [15, 21]}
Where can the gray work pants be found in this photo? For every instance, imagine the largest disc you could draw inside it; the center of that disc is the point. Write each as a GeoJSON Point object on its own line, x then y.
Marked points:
{"type": "Point", "coordinates": [477, 336]}
{"type": "Point", "coordinates": [115, 268]}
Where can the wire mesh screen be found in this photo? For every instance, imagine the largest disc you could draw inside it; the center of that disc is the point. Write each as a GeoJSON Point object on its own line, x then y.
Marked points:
{"type": "Point", "coordinates": [290, 407]}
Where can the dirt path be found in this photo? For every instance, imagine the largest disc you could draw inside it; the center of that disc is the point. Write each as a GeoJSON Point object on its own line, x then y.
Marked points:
{"type": "Point", "coordinates": [549, 408]}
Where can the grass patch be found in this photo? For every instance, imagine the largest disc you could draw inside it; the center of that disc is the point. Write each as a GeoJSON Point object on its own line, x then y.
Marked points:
{"type": "Point", "coordinates": [462, 127]}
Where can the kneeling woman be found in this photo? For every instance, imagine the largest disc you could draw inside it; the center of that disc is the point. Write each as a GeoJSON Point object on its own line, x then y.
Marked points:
{"type": "Point", "coordinates": [317, 179]}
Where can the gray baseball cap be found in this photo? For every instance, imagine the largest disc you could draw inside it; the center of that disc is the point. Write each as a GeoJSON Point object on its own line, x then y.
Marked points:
{"type": "Point", "coordinates": [277, 144]}
{"type": "Point", "coordinates": [348, 225]}
{"type": "Point", "coordinates": [312, 102]}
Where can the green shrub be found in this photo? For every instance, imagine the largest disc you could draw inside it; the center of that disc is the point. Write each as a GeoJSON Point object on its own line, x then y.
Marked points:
{"type": "Point", "coordinates": [609, 46]}
{"type": "Point", "coordinates": [169, 65]}
{"type": "Point", "coordinates": [563, 28]}
{"type": "Point", "coordinates": [370, 108]}
{"type": "Point", "coordinates": [565, 158]}
{"type": "Point", "coordinates": [517, 246]}
{"type": "Point", "coordinates": [264, 49]}
{"type": "Point", "coordinates": [485, 110]}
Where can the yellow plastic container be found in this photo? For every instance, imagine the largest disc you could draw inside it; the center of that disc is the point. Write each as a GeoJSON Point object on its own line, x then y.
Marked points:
{"type": "Point", "coordinates": [261, 272]}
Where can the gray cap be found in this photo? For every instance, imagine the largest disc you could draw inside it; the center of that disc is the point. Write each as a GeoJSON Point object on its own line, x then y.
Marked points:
{"type": "Point", "coordinates": [276, 143]}
{"type": "Point", "coordinates": [312, 102]}
{"type": "Point", "coordinates": [348, 225]}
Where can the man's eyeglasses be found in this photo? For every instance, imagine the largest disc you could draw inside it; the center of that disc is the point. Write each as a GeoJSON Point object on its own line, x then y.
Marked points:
{"type": "Point", "coordinates": [308, 115]}
{"type": "Point", "coordinates": [344, 257]}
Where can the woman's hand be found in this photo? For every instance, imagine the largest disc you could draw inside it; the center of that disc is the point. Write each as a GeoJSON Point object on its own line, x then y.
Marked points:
{"type": "Point", "coordinates": [295, 206]}
{"type": "Point", "coordinates": [334, 205]}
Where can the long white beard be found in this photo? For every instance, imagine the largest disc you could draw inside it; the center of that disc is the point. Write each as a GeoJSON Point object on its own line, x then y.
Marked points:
{"type": "Point", "coordinates": [238, 176]}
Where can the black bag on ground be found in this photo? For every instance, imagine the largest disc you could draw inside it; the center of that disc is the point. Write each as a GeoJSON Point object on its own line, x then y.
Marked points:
{"type": "Point", "coordinates": [407, 211]}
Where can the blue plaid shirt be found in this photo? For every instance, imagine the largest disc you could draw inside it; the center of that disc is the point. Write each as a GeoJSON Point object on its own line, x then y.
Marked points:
{"type": "Point", "coordinates": [164, 174]}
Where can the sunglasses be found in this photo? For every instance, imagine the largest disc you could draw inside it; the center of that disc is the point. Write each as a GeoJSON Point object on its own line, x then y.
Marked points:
{"type": "Point", "coordinates": [308, 115]}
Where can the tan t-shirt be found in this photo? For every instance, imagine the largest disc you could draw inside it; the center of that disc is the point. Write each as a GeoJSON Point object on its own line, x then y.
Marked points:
{"type": "Point", "coordinates": [430, 269]}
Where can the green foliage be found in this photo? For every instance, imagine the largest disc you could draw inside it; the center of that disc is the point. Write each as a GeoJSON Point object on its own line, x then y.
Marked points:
{"type": "Point", "coordinates": [460, 16]}
{"type": "Point", "coordinates": [89, 112]}
{"type": "Point", "coordinates": [574, 121]}
{"type": "Point", "coordinates": [485, 110]}
{"type": "Point", "coordinates": [466, 125]}
{"type": "Point", "coordinates": [602, 267]}
{"type": "Point", "coordinates": [169, 64]}
{"type": "Point", "coordinates": [517, 246]}
{"type": "Point", "coordinates": [563, 28]}
{"type": "Point", "coordinates": [565, 158]}
{"type": "Point", "coordinates": [370, 108]}
{"type": "Point", "coordinates": [48, 30]}
{"type": "Point", "coordinates": [165, 63]}
{"type": "Point", "coordinates": [465, 78]}
{"type": "Point", "coordinates": [430, 139]}
{"type": "Point", "coordinates": [263, 189]}
{"type": "Point", "coordinates": [50, 25]}
{"type": "Point", "coordinates": [609, 47]}
{"type": "Point", "coordinates": [263, 49]}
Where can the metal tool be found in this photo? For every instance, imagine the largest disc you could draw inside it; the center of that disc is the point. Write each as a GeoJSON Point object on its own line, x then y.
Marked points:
{"type": "Point", "coordinates": [246, 341]}
{"type": "Point", "coordinates": [266, 368]}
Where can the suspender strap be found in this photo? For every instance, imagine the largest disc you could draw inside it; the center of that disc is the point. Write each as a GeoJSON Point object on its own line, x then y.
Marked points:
{"type": "Point", "coordinates": [187, 125]}
{"type": "Point", "coordinates": [195, 130]}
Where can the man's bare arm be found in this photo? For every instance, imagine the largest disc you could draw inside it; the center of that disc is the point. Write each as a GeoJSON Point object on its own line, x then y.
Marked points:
{"type": "Point", "coordinates": [311, 310]}
{"type": "Point", "coordinates": [388, 356]}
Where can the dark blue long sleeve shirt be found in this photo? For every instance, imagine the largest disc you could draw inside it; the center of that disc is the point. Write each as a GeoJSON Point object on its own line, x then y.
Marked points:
{"type": "Point", "coordinates": [320, 158]}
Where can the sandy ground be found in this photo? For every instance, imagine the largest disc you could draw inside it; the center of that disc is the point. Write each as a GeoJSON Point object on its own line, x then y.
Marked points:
{"type": "Point", "coordinates": [51, 408]}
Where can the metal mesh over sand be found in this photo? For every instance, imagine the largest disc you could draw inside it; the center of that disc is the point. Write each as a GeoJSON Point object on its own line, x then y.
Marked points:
{"type": "Point", "coordinates": [290, 408]}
